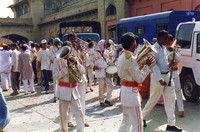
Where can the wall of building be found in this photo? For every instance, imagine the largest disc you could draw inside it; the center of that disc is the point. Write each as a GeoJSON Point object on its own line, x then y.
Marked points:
{"type": "Point", "coordinates": [142, 7]}
{"type": "Point", "coordinates": [46, 22]}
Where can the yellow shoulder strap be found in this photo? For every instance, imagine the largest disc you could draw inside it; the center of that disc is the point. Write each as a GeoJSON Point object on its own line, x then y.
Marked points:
{"type": "Point", "coordinates": [128, 55]}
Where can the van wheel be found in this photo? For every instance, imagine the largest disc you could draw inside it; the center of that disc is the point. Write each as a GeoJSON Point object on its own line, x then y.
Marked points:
{"type": "Point", "coordinates": [190, 88]}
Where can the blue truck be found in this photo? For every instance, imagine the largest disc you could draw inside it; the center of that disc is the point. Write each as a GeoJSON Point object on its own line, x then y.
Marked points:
{"type": "Point", "coordinates": [147, 26]}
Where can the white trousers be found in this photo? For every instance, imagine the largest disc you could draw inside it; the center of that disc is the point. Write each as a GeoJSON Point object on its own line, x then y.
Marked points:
{"type": "Point", "coordinates": [5, 78]}
{"type": "Point", "coordinates": [179, 95]}
{"type": "Point", "coordinates": [55, 86]}
{"type": "Point", "coordinates": [102, 82]}
{"type": "Point", "coordinates": [168, 93]}
{"type": "Point", "coordinates": [75, 107]}
{"type": "Point", "coordinates": [25, 84]}
{"type": "Point", "coordinates": [90, 74]}
{"type": "Point", "coordinates": [9, 80]}
{"type": "Point", "coordinates": [82, 90]}
{"type": "Point", "coordinates": [132, 116]}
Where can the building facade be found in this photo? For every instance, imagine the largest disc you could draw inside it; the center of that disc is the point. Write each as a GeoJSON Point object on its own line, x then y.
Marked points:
{"type": "Point", "coordinates": [39, 19]}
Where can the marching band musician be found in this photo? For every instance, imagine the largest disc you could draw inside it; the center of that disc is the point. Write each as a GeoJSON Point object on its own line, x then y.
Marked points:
{"type": "Point", "coordinates": [67, 92]}
{"type": "Point", "coordinates": [72, 37]}
{"type": "Point", "coordinates": [175, 76]}
{"type": "Point", "coordinates": [83, 58]}
{"type": "Point", "coordinates": [159, 83]}
{"type": "Point", "coordinates": [131, 75]}
{"type": "Point", "coordinates": [90, 67]}
{"type": "Point", "coordinates": [52, 50]}
{"type": "Point", "coordinates": [101, 62]}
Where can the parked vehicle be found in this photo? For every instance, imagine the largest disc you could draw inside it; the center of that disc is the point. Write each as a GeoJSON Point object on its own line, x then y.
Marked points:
{"type": "Point", "coordinates": [147, 26]}
{"type": "Point", "coordinates": [188, 37]}
{"type": "Point", "coordinates": [84, 36]}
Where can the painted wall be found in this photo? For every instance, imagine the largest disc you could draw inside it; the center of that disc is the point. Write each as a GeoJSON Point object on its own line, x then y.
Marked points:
{"type": "Point", "coordinates": [142, 7]}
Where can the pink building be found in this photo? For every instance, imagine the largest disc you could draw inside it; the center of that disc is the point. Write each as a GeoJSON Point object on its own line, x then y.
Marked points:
{"type": "Point", "coordinates": [143, 7]}
{"type": "Point", "coordinates": [133, 8]}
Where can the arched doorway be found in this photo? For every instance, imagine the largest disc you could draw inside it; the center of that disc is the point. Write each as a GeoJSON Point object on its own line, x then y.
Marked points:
{"type": "Point", "coordinates": [15, 38]}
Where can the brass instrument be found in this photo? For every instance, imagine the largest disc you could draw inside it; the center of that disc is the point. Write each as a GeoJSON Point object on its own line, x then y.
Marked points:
{"type": "Point", "coordinates": [83, 44]}
{"type": "Point", "coordinates": [118, 46]}
{"type": "Point", "coordinates": [145, 53]}
{"type": "Point", "coordinates": [64, 53]}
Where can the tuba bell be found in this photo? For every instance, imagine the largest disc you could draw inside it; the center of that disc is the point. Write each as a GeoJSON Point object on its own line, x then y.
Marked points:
{"type": "Point", "coordinates": [74, 72]}
{"type": "Point", "coordinates": [146, 52]}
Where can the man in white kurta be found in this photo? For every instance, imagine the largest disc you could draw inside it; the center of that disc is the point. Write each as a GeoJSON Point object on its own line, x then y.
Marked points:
{"type": "Point", "coordinates": [68, 95]}
{"type": "Point", "coordinates": [5, 67]}
{"type": "Point", "coordinates": [14, 70]}
{"type": "Point", "coordinates": [159, 84]}
{"type": "Point", "coordinates": [131, 75]}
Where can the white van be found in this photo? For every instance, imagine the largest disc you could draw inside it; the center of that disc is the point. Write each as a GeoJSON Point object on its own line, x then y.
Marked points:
{"type": "Point", "coordinates": [188, 37]}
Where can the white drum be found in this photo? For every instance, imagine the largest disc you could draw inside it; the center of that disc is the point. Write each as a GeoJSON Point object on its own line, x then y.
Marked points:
{"type": "Point", "coordinates": [112, 71]}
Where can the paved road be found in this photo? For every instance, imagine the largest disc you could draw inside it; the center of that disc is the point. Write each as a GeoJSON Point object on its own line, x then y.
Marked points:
{"type": "Point", "coordinates": [37, 113]}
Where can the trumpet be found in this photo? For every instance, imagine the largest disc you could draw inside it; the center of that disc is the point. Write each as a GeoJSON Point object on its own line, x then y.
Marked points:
{"type": "Point", "coordinates": [118, 46]}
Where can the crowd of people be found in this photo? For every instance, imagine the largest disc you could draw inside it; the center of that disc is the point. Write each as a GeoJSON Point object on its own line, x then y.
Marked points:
{"type": "Point", "coordinates": [74, 66]}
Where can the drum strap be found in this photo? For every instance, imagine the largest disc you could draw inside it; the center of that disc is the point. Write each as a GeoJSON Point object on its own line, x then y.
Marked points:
{"type": "Point", "coordinates": [103, 57]}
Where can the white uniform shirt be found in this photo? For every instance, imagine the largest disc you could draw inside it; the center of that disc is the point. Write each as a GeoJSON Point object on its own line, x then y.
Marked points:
{"type": "Point", "coordinates": [44, 57]}
{"type": "Point", "coordinates": [128, 70]}
{"type": "Point", "coordinates": [101, 63]}
{"type": "Point", "coordinates": [15, 59]}
{"type": "Point", "coordinates": [61, 73]}
{"type": "Point", "coordinates": [177, 60]}
{"type": "Point", "coordinates": [5, 61]}
{"type": "Point", "coordinates": [91, 56]}
{"type": "Point", "coordinates": [161, 65]}
{"type": "Point", "coordinates": [52, 50]}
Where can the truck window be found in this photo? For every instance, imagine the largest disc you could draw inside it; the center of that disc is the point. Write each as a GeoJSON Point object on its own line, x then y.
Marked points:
{"type": "Point", "coordinates": [184, 35]}
{"type": "Point", "coordinates": [140, 30]}
{"type": "Point", "coordinates": [122, 30]}
{"type": "Point", "coordinates": [198, 43]}
{"type": "Point", "coordinates": [163, 26]}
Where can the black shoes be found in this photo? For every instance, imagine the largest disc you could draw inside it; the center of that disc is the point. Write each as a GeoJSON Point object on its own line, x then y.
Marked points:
{"type": "Point", "coordinates": [144, 123]}
{"type": "Point", "coordinates": [173, 128]}
{"type": "Point", "coordinates": [14, 93]}
{"type": "Point", "coordinates": [54, 99]}
{"type": "Point", "coordinates": [102, 104]}
{"type": "Point", "coordinates": [108, 102]}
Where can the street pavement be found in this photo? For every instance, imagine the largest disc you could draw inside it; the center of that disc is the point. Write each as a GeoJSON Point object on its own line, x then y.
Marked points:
{"type": "Point", "coordinates": [38, 113]}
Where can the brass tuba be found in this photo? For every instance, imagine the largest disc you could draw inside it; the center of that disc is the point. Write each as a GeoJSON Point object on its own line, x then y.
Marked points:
{"type": "Point", "coordinates": [145, 53]}
{"type": "Point", "coordinates": [74, 72]}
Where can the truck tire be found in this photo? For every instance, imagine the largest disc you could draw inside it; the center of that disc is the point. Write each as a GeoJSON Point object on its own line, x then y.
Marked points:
{"type": "Point", "coordinates": [190, 88]}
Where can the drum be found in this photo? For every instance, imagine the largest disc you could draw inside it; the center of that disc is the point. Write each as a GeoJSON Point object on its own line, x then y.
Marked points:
{"type": "Point", "coordinates": [112, 71]}
{"type": "Point", "coordinates": [144, 89]}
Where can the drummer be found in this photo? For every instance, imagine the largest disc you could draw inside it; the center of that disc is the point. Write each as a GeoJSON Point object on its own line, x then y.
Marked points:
{"type": "Point", "coordinates": [100, 65]}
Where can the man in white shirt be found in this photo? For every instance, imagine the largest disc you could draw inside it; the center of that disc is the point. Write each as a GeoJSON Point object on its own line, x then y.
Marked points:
{"type": "Point", "coordinates": [14, 70]}
{"type": "Point", "coordinates": [5, 67]}
{"type": "Point", "coordinates": [44, 58]}
{"type": "Point", "coordinates": [159, 81]}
